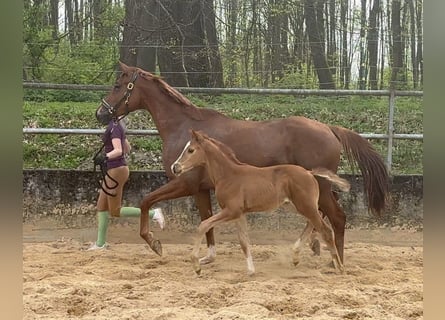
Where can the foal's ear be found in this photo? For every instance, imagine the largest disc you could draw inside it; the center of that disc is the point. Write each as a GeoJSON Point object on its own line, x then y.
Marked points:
{"type": "Point", "coordinates": [196, 135]}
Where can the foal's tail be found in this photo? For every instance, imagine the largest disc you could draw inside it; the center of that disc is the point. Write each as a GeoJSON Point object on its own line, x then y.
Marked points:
{"type": "Point", "coordinates": [373, 169]}
{"type": "Point", "coordinates": [342, 184]}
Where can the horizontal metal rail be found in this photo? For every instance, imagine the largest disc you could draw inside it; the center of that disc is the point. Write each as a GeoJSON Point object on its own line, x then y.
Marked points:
{"type": "Point", "coordinates": [296, 92]}
{"type": "Point", "coordinates": [137, 132]}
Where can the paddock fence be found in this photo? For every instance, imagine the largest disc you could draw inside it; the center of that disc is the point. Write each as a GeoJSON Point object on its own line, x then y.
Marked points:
{"type": "Point", "coordinates": [389, 136]}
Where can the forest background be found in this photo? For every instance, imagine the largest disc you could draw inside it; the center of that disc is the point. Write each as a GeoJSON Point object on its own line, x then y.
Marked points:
{"type": "Point", "coordinates": [322, 44]}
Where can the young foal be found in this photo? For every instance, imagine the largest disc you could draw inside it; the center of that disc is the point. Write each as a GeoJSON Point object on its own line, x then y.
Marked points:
{"type": "Point", "coordinates": [242, 188]}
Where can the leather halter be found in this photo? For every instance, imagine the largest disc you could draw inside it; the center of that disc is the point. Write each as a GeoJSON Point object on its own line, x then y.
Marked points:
{"type": "Point", "coordinates": [113, 109]}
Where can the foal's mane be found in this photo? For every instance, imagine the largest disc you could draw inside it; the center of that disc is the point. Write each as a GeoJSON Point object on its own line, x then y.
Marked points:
{"type": "Point", "coordinates": [225, 149]}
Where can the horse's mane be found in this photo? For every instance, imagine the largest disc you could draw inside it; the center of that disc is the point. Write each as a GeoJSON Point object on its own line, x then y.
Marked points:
{"type": "Point", "coordinates": [193, 110]}
{"type": "Point", "coordinates": [172, 92]}
{"type": "Point", "coordinates": [225, 149]}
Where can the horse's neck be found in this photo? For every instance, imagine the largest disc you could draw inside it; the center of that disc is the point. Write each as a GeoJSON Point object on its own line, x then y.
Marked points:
{"type": "Point", "coordinates": [219, 165]}
{"type": "Point", "coordinates": [167, 114]}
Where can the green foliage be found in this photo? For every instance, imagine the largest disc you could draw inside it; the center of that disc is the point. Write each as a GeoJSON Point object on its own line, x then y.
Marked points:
{"type": "Point", "coordinates": [49, 57]}
{"type": "Point", "coordinates": [296, 80]}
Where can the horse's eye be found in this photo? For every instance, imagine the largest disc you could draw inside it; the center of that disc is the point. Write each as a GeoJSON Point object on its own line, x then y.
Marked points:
{"type": "Point", "coordinates": [191, 150]}
{"type": "Point", "coordinates": [116, 86]}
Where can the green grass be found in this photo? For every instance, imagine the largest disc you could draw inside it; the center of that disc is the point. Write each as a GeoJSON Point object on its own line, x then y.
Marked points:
{"type": "Point", "coordinates": [361, 114]}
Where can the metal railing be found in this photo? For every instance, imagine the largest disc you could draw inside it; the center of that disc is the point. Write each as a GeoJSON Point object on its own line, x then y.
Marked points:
{"type": "Point", "coordinates": [389, 136]}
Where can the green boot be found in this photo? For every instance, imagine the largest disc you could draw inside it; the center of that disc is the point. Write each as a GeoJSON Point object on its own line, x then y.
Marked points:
{"type": "Point", "coordinates": [102, 227]}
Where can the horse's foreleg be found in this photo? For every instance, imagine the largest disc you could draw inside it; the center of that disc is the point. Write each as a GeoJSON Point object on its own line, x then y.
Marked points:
{"type": "Point", "coordinates": [244, 241]}
{"type": "Point", "coordinates": [204, 227]}
{"type": "Point", "coordinates": [203, 202]}
{"type": "Point", "coordinates": [173, 189]}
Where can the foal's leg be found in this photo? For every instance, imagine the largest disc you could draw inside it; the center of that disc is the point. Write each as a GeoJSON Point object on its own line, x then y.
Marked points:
{"type": "Point", "coordinates": [309, 209]}
{"type": "Point", "coordinates": [204, 226]}
{"type": "Point", "coordinates": [244, 241]}
{"type": "Point", "coordinates": [308, 230]}
{"type": "Point", "coordinates": [204, 205]}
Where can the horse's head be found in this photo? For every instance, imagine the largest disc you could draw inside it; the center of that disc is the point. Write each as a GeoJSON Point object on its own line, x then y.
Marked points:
{"type": "Point", "coordinates": [123, 98]}
{"type": "Point", "coordinates": [192, 155]}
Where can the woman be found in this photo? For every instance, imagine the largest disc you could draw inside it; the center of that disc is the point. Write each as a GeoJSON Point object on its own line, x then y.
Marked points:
{"type": "Point", "coordinates": [116, 146]}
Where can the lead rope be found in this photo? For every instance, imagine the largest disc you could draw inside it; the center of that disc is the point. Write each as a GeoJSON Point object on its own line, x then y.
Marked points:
{"type": "Point", "coordinates": [105, 174]}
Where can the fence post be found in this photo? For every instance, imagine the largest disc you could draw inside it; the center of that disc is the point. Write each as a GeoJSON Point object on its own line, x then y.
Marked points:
{"type": "Point", "coordinates": [390, 128]}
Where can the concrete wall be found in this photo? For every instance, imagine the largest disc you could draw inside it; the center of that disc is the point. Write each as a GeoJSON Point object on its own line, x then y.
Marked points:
{"type": "Point", "coordinates": [68, 198]}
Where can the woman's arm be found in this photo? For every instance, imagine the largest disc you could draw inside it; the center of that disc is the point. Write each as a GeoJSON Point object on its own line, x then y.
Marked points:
{"type": "Point", "coordinates": [117, 149]}
{"type": "Point", "coordinates": [127, 146]}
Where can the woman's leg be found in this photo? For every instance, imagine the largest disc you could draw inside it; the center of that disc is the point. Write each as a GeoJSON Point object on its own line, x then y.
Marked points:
{"type": "Point", "coordinates": [112, 204]}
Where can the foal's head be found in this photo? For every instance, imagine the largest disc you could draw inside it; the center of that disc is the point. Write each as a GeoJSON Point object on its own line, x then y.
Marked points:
{"type": "Point", "coordinates": [195, 152]}
{"type": "Point", "coordinates": [192, 156]}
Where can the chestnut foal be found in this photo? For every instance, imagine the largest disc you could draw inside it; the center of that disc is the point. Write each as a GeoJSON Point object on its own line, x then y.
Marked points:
{"type": "Point", "coordinates": [242, 188]}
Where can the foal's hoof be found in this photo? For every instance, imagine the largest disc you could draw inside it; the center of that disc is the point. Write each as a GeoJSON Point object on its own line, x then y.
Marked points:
{"type": "Point", "coordinates": [207, 260]}
{"type": "Point", "coordinates": [196, 265]}
{"type": "Point", "coordinates": [315, 247]}
{"type": "Point", "coordinates": [156, 246]}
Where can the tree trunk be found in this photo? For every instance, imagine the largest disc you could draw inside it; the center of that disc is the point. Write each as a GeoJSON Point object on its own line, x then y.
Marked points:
{"type": "Point", "coordinates": [414, 62]}
{"type": "Point", "coordinates": [148, 35]}
{"type": "Point", "coordinates": [419, 21]}
{"type": "Point", "coordinates": [231, 41]}
{"type": "Point", "coordinates": [171, 54]}
{"type": "Point", "coordinates": [397, 47]}
{"type": "Point", "coordinates": [54, 18]}
{"type": "Point", "coordinates": [362, 74]}
{"type": "Point", "coordinates": [317, 46]}
{"type": "Point", "coordinates": [213, 54]}
{"type": "Point", "coordinates": [345, 69]}
{"type": "Point", "coordinates": [373, 35]}
{"type": "Point", "coordinates": [128, 52]}
{"type": "Point", "coordinates": [70, 22]}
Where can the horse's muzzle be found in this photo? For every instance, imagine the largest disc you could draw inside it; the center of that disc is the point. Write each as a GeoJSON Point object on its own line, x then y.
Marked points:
{"type": "Point", "coordinates": [103, 117]}
{"type": "Point", "coordinates": [176, 169]}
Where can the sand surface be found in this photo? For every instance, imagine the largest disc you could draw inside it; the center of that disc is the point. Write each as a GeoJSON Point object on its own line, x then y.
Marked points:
{"type": "Point", "coordinates": [383, 278]}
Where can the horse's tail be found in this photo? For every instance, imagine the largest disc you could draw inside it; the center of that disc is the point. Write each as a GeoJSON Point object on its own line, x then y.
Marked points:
{"type": "Point", "coordinates": [342, 184]}
{"type": "Point", "coordinates": [371, 165]}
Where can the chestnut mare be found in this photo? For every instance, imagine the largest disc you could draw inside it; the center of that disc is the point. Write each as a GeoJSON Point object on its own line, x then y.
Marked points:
{"type": "Point", "coordinates": [241, 188]}
{"type": "Point", "coordinates": [293, 140]}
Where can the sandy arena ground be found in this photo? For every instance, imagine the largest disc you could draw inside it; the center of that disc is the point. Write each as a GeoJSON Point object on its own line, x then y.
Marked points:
{"type": "Point", "coordinates": [383, 278]}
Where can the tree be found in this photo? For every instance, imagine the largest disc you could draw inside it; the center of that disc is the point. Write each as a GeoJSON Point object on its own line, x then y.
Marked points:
{"type": "Point", "coordinates": [397, 56]}
{"type": "Point", "coordinates": [316, 43]}
{"type": "Point", "coordinates": [373, 35]}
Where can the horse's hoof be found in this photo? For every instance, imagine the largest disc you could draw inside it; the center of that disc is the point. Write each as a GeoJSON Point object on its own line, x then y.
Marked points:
{"type": "Point", "coordinates": [156, 246]}
{"type": "Point", "coordinates": [296, 262]}
{"type": "Point", "coordinates": [198, 272]}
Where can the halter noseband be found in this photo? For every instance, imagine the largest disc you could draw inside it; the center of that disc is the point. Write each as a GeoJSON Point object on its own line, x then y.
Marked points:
{"type": "Point", "coordinates": [113, 109]}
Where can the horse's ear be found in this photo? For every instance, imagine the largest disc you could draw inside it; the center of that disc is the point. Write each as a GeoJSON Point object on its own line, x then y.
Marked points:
{"type": "Point", "coordinates": [123, 66]}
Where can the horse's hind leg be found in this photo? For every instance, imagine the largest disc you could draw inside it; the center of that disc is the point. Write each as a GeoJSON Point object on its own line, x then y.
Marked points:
{"type": "Point", "coordinates": [244, 241]}
{"type": "Point", "coordinates": [330, 207]}
{"type": "Point", "coordinates": [329, 238]}
{"type": "Point", "coordinates": [308, 230]}
{"type": "Point", "coordinates": [204, 205]}
{"type": "Point", "coordinates": [310, 211]}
